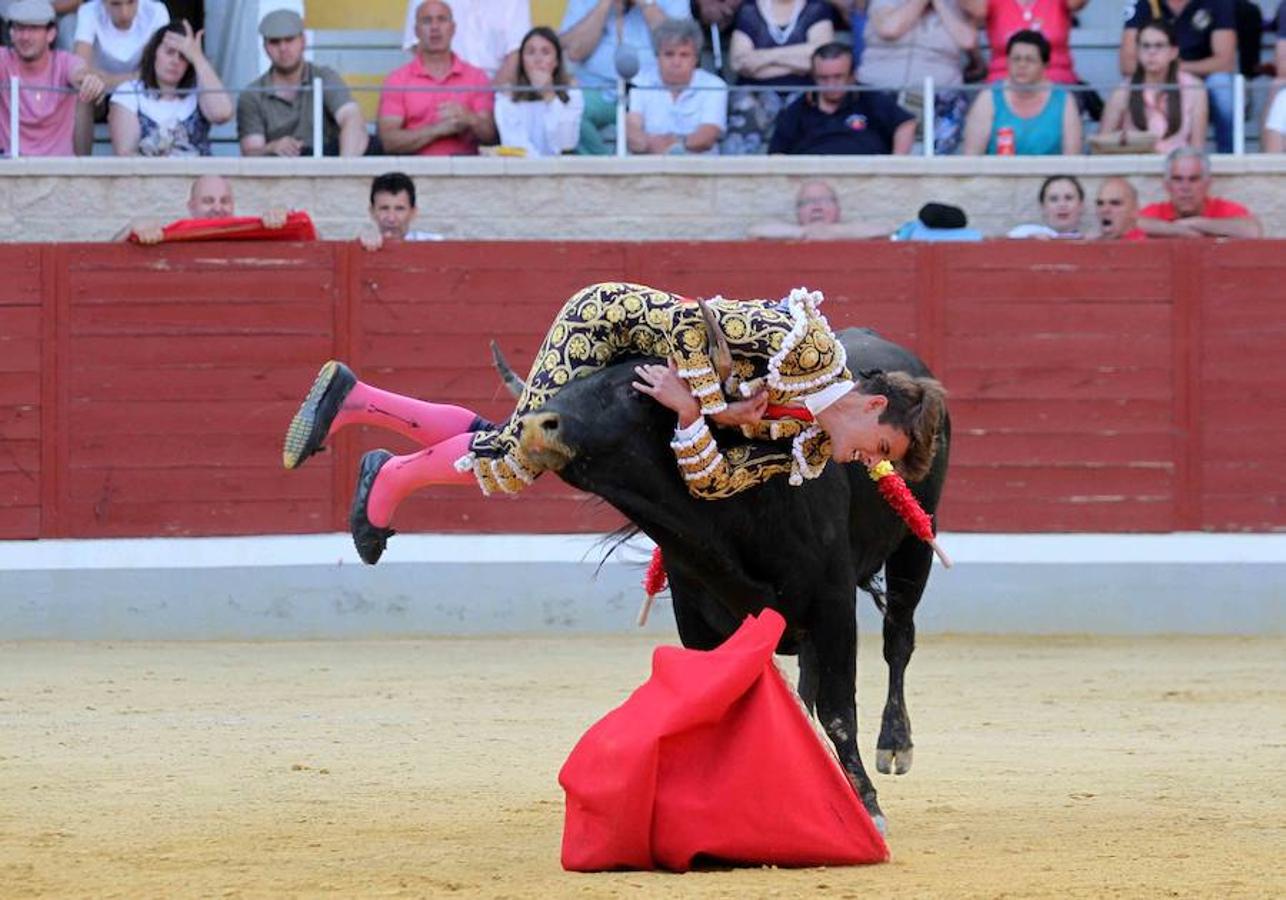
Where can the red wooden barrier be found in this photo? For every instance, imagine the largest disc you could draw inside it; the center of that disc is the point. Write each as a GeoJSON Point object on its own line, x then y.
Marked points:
{"type": "Point", "coordinates": [143, 391]}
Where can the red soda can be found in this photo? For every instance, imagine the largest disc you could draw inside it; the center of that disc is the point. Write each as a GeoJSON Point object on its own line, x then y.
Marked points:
{"type": "Point", "coordinates": [1005, 141]}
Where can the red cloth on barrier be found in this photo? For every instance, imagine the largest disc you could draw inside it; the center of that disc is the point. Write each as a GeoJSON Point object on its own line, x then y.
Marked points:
{"type": "Point", "coordinates": [713, 756]}
{"type": "Point", "coordinates": [298, 227]}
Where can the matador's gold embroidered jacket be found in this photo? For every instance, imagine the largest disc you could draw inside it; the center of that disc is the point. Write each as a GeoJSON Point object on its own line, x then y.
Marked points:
{"type": "Point", "coordinates": [786, 347]}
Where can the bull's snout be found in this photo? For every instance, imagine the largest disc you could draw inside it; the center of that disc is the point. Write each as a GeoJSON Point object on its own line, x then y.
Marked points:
{"type": "Point", "coordinates": [542, 440]}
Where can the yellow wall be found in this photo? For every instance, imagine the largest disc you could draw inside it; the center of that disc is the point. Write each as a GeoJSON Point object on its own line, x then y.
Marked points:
{"type": "Point", "coordinates": [367, 15]}
{"type": "Point", "coordinates": [548, 12]}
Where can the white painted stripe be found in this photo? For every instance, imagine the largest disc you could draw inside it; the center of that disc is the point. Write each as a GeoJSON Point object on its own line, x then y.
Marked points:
{"type": "Point", "coordinates": [337, 549]}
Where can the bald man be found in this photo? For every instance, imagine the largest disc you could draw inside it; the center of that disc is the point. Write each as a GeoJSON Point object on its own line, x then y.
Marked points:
{"type": "Point", "coordinates": [817, 217]}
{"type": "Point", "coordinates": [210, 197]}
{"type": "Point", "coordinates": [1117, 208]}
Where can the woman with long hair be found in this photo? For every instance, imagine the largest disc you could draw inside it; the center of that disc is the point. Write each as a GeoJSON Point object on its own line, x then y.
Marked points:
{"type": "Point", "coordinates": [543, 114]}
{"type": "Point", "coordinates": [1160, 99]}
{"type": "Point", "coordinates": [169, 108]}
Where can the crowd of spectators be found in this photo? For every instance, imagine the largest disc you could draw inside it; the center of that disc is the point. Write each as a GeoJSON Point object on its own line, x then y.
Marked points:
{"type": "Point", "coordinates": [777, 79]}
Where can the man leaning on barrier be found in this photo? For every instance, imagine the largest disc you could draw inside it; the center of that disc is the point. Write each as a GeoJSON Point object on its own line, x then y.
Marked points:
{"type": "Point", "coordinates": [275, 111]}
{"type": "Point", "coordinates": [1191, 212]}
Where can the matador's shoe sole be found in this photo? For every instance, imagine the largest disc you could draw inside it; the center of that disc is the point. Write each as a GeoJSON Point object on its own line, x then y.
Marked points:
{"type": "Point", "coordinates": [308, 429]}
{"type": "Point", "coordinates": [370, 540]}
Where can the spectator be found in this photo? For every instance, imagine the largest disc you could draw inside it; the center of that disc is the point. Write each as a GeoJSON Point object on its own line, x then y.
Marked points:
{"type": "Point", "coordinates": [543, 120]}
{"type": "Point", "coordinates": [682, 109]}
{"type": "Point", "coordinates": [834, 120]}
{"type": "Point", "coordinates": [210, 197]}
{"type": "Point", "coordinates": [1117, 207]}
{"type": "Point", "coordinates": [715, 18]}
{"type": "Point", "coordinates": [1191, 211]}
{"type": "Point", "coordinates": [487, 34]}
{"type": "Point", "coordinates": [772, 46]}
{"type": "Point", "coordinates": [392, 212]}
{"type": "Point", "coordinates": [46, 118]}
{"type": "Point", "coordinates": [907, 40]}
{"type": "Point", "coordinates": [169, 109]}
{"type": "Point", "coordinates": [817, 217]}
{"type": "Point", "coordinates": [436, 123]}
{"type": "Point", "coordinates": [1026, 115]}
{"type": "Point", "coordinates": [1161, 99]}
{"type": "Point", "coordinates": [275, 112]}
{"type": "Point", "coordinates": [1062, 205]}
{"type": "Point", "coordinates": [852, 14]}
{"type": "Point", "coordinates": [110, 37]}
{"type": "Point", "coordinates": [1274, 134]}
{"type": "Point", "coordinates": [593, 31]}
{"type": "Point", "coordinates": [1003, 19]}
{"type": "Point", "coordinates": [1205, 32]}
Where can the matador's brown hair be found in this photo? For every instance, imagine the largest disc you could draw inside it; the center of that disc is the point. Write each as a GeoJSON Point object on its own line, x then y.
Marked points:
{"type": "Point", "coordinates": [917, 406]}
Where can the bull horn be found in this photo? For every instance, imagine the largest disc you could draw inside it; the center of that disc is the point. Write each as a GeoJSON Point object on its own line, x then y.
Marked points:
{"type": "Point", "coordinates": [717, 344]}
{"type": "Point", "coordinates": [515, 384]}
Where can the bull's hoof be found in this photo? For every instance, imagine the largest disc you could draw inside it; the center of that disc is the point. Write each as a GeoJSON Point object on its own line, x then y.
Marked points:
{"type": "Point", "coordinates": [541, 440]}
{"type": "Point", "coordinates": [894, 762]}
{"type": "Point", "coordinates": [877, 815]}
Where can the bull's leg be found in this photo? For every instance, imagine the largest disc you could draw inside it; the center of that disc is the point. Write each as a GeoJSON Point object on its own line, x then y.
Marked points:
{"type": "Point", "coordinates": [907, 572]}
{"type": "Point", "coordinates": [808, 673]}
{"type": "Point", "coordinates": [693, 610]}
{"type": "Point", "coordinates": [834, 634]}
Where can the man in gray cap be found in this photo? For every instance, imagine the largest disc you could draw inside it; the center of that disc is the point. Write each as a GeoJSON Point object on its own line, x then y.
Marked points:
{"type": "Point", "coordinates": [275, 112]}
{"type": "Point", "coordinates": [46, 115]}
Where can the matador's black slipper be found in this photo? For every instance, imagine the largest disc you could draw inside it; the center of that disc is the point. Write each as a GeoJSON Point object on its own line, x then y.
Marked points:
{"type": "Point", "coordinates": [370, 540]}
{"type": "Point", "coordinates": [310, 425]}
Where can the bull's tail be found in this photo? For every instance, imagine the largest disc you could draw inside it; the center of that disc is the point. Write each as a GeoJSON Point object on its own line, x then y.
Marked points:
{"type": "Point", "coordinates": [510, 378]}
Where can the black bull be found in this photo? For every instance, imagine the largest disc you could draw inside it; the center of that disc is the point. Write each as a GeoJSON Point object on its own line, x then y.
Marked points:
{"type": "Point", "coordinates": [803, 551]}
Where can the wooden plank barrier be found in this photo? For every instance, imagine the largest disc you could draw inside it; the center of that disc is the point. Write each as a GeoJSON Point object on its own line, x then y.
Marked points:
{"type": "Point", "coordinates": [143, 391]}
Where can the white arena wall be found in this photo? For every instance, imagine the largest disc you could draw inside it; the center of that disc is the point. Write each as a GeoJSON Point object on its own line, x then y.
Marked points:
{"type": "Point", "coordinates": [314, 587]}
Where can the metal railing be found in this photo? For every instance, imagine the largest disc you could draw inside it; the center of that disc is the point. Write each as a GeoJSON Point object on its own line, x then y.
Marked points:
{"type": "Point", "coordinates": [927, 89]}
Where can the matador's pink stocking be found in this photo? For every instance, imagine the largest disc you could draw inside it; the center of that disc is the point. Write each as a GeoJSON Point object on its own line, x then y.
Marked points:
{"type": "Point", "coordinates": [402, 476]}
{"type": "Point", "coordinates": [423, 422]}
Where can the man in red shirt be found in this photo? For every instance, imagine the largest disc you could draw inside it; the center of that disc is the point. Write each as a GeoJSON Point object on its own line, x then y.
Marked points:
{"type": "Point", "coordinates": [1191, 211]}
{"type": "Point", "coordinates": [436, 123]}
{"type": "Point", "coordinates": [1117, 208]}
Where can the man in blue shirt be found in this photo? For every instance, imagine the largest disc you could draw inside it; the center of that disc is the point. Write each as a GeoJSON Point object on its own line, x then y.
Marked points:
{"type": "Point", "coordinates": [833, 120]}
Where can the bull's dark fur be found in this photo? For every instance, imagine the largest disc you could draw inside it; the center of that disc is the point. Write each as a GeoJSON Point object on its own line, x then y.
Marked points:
{"type": "Point", "coordinates": [802, 551]}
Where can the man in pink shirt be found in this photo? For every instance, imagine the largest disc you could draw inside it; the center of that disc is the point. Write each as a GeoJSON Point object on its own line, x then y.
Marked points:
{"type": "Point", "coordinates": [1191, 211]}
{"type": "Point", "coordinates": [46, 108]}
{"type": "Point", "coordinates": [444, 123]}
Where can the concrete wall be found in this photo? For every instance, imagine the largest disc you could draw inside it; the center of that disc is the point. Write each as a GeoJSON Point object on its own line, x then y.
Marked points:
{"type": "Point", "coordinates": [314, 587]}
{"type": "Point", "coordinates": [582, 198]}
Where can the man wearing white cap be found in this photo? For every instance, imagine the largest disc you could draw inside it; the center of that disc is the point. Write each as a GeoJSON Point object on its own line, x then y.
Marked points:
{"type": "Point", "coordinates": [46, 115]}
{"type": "Point", "coordinates": [275, 112]}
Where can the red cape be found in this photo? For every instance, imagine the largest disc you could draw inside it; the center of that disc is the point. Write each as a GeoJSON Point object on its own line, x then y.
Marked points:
{"type": "Point", "coordinates": [298, 227]}
{"type": "Point", "coordinates": [713, 757]}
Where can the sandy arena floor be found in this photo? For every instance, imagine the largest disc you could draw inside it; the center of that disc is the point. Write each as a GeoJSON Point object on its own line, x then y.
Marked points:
{"type": "Point", "coordinates": [1063, 767]}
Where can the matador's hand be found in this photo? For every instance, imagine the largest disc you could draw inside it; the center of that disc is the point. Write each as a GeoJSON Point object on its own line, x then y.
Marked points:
{"type": "Point", "coordinates": [743, 412]}
{"type": "Point", "coordinates": [663, 384]}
